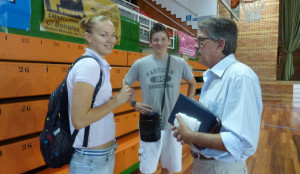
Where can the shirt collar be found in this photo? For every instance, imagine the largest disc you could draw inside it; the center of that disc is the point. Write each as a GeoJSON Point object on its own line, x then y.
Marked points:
{"type": "Point", "coordinates": [221, 66]}
{"type": "Point", "coordinates": [161, 60]}
{"type": "Point", "coordinates": [92, 53]}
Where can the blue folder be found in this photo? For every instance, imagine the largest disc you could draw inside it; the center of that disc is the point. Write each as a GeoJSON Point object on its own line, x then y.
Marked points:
{"type": "Point", "coordinates": [209, 122]}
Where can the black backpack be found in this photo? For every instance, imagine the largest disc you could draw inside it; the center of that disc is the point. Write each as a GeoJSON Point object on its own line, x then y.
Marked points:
{"type": "Point", "coordinates": [56, 140]}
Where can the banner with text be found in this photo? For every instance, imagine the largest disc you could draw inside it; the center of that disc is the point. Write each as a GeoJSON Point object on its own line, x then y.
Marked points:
{"type": "Point", "coordinates": [63, 16]}
{"type": "Point", "coordinates": [186, 44]}
{"type": "Point", "coordinates": [15, 14]}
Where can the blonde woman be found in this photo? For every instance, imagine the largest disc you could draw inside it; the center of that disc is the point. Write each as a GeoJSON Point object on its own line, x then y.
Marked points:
{"type": "Point", "coordinates": [99, 155]}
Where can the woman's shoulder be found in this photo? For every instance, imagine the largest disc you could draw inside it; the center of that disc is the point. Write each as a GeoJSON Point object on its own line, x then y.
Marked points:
{"type": "Point", "coordinates": [88, 62]}
{"type": "Point", "coordinates": [86, 66]}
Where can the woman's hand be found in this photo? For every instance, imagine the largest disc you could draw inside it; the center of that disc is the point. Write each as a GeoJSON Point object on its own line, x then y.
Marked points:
{"type": "Point", "coordinates": [126, 94]}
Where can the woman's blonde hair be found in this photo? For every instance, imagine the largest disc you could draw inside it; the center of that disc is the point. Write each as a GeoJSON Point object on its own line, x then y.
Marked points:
{"type": "Point", "coordinates": [87, 24]}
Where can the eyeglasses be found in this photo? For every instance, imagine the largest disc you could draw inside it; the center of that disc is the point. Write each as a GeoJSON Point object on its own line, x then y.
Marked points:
{"type": "Point", "coordinates": [200, 40]}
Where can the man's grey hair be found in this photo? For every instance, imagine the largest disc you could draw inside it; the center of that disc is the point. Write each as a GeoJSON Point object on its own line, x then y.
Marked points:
{"type": "Point", "coordinates": [221, 28]}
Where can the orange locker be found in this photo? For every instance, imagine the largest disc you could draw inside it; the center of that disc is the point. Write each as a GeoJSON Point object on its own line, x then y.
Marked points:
{"type": "Point", "coordinates": [127, 153]}
{"type": "Point", "coordinates": [199, 85]}
{"type": "Point", "coordinates": [117, 75]}
{"type": "Point", "coordinates": [191, 63]}
{"type": "Point", "coordinates": [197, 97]}
{"type": "Point", "coordinates": [48, 50]}
{"type": "Point", "coordinates": [122, 108]}
{"type": "Point", "coordinates": [183, 89]}
{"type": "Point", "coordinates": [200, 66]}
{"type": "Point", "coordinates": [63, 170]}
{"type": "Point", "coordinates": [117, 57]}
{"type": "Point", "coordinates": [18, 119]}
{"type": "Point", "coordinates": [198, 73]}
{"type": "Point", "coordinates": [126, 123]}
{"type": "Point", "coordinates": [196, 65]}
{"type": "Point", "coordinates": [56, 74]}
{"type": "Point", "coordinates": [182, 81]}
{"type": "Point", "coordinates": [21, 156]}
{"type": "Point", "coordinates": [139, 96]}
{"type": "Point", "coordinates": [38, 49]}
{"type": "Point", "coordinates": [23, 79]}
{"type": "Point", "coordinates": [127, 106]}
{"type": "Point", "coordinates": [133, 56]}
{"type": "Point", "coordinates": [28, 79]}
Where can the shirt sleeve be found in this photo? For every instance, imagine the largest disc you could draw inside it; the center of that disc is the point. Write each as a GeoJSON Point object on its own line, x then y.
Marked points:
{"type": "Point", "coordinates": [187, 72]}
{"type": "Point", "coordinates": [133, 74]}
{"type": "Point", "coordinates": [243, 108]}
{"type": "Point", "coordinates": [88, 71]}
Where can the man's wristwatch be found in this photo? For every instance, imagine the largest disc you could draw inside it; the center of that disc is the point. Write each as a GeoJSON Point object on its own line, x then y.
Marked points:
{"type": "Point", "coordinates": [132, 103]}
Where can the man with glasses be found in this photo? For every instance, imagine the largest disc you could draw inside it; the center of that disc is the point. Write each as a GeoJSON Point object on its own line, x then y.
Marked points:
{"type": "Point", "coordinates": [232, 92]}
{"type": "Point", "coordinates": [150, 72]}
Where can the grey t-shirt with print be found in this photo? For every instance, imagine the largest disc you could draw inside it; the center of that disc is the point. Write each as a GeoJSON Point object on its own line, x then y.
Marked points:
{"type": "Point", "coordinates": [150, 72]}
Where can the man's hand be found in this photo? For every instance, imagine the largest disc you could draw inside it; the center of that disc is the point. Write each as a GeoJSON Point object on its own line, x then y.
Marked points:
{"type": "Point", "coordinates": [143, 108]}
{"type": "Point", "coordinates": [182, 133]}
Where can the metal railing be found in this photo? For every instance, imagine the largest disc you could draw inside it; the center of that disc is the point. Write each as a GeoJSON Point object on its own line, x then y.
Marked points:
{"type": "Point", "coordinates": [146, 23]}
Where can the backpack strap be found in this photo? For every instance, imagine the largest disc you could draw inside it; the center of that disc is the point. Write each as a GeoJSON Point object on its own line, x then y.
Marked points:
{"type": "Point", "coordinates": [87, 129]}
